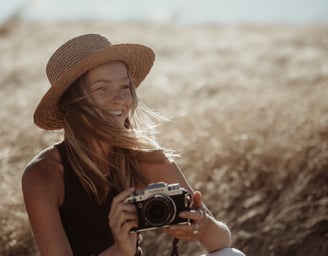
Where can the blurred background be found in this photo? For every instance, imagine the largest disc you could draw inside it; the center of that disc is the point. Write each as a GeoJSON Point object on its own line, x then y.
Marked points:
{"type": "Point", "coordinates": [244, 84]}
{"type": "Point", "coordinates": [177, 11]}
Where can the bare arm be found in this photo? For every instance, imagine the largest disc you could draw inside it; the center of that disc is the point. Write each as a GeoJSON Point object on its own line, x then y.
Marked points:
{"type": "Point", "coordinates": [213, 234]}
{"type": "Point", "coordinates": [43, 189]}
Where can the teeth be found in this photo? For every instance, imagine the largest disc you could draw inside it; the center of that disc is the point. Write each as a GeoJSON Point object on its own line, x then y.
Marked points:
{"type": "Point", "coordinates": [116, 113]}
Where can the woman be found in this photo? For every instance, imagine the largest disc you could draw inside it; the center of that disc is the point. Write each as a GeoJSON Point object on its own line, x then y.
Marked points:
{"type": "Point", "coordinates": [75, 190]}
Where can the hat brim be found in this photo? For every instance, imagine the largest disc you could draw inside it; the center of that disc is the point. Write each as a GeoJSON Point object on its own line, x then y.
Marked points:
{"type": "Point", "coordinates": [138, 59]}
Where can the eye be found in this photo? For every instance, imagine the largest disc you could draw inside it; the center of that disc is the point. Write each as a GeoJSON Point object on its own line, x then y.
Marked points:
{"type": "Point", "coordinates": [102, 88]}
{"type": "Point", "coordinates": [125, 86]}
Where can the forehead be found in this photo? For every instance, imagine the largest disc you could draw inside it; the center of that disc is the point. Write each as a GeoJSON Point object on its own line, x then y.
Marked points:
{"type": "Point", "coordinates": [109, 70]}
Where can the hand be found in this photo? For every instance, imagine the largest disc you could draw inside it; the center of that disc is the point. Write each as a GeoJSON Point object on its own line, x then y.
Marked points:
{"type": "Point", "coordinates": [122, 218]}
{"type": "Point", "coordinates": [199, 221]}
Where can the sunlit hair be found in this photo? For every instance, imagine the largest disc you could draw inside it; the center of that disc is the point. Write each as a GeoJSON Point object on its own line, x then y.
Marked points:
{"type": "Point", "coordinates": [86, 125]}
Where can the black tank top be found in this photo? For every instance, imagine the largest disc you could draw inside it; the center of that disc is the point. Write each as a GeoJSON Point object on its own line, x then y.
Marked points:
{"type": "Point", "coordinates": [85, 222]}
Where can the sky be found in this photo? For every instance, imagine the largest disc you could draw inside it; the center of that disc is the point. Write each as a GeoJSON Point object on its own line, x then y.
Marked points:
{"type": "Point", "coordinates": [180, 11]}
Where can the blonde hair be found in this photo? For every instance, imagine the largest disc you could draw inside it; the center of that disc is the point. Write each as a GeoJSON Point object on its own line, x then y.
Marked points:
{"type": "Point", "coordinates": [130, 145]}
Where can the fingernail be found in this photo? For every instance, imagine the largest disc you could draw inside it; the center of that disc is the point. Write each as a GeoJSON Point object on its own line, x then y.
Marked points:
{"type": "Point", "coordinates": [183, 214]}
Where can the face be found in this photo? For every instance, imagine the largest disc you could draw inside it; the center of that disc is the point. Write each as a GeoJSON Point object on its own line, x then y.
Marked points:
{"type": "Point", "coordinates": [109, 87]}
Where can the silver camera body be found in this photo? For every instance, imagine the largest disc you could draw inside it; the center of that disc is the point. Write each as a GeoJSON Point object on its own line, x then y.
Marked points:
{"type": "Point", "coordinates": [159, 205]}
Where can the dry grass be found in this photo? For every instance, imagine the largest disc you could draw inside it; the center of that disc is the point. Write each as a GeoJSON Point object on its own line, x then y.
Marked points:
{"type": "Point", "coordinates": [249, 116]}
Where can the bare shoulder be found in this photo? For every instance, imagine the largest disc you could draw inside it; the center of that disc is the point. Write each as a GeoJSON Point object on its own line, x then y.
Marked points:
{"type": "Point", "coordinates": [43, 176]}
{"type": "Point", "coordinates": [44, 165]}
{"type": "Point", "coordinates": [165, 171]}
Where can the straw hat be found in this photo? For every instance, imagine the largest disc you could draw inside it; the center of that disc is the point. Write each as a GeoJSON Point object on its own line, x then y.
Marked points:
{"type": "Point", "coordinates": [77, 56]}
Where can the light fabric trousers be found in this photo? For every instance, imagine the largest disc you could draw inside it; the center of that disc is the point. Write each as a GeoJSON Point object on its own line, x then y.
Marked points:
{"type": "Point", "coordinates": [226, 252]}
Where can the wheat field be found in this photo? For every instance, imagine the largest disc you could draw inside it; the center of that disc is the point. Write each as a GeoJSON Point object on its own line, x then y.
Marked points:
{"type": "Point", "coordinates": [248, 114]}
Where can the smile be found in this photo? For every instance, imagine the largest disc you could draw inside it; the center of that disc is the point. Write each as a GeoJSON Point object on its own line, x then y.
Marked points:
{"type": "Point", "coordinates": [116, 113]}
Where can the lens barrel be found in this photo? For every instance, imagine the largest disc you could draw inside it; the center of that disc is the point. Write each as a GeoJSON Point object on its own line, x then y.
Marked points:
{"type": "Point", "coordinates": [159, 210]}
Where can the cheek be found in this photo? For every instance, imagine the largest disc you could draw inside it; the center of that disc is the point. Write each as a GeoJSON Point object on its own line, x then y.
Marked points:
{"type": "Point", "coordinates": [128, 100]}
{"type": "Point", "coordinates": [100, 101]}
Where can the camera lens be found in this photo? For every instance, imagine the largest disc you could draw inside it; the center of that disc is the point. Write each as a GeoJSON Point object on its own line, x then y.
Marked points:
{"type": "Point", "coordinates": [159, 210]}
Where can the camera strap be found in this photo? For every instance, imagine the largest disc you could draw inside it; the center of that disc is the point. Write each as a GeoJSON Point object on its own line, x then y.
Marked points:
{"type": "Point", "coordinates": [139, 240]}
{"type": "Point", "coordinates": [175, 245]}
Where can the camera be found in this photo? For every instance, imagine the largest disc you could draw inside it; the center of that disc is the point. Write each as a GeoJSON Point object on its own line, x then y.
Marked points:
{"type": "Point", "coordinates": [159, 205]}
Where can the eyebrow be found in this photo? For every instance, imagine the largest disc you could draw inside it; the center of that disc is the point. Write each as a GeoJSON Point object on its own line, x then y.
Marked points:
{"type": "Point", "coordinates": [123, 79]}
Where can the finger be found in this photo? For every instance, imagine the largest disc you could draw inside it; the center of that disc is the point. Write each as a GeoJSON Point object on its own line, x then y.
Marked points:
{"type": "Point", "coordinates": [117, 203]}
{"type": "Point", "coordinates": [123, 233]}
{"type": "Point", "coordinates": [196, 200]}
{"type": "Point", "coordinates": [122, 196]}
{"type": "Point", "coordinates": [185, 232]}
{"type": "Point", "coordinates": [127, 216]}
{"type": "Point", "coordinates": [115, 214]}
{"type": "Point", "coordinates": [121, 229]}
{"type": "Point", "coordinates": [123, 213]}
{"type": "Point", "coordinates": [126, 207]}
{"type": "Point", "coordinates": [183, 229]}
{"type": "Point", "coordinates": [195, 215]}
{"type": "Point", "coordinates": [128, 225]}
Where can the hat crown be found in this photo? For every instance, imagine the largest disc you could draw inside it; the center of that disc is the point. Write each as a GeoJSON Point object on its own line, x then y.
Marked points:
{"type": "Point", "coordinates": [72, 52]}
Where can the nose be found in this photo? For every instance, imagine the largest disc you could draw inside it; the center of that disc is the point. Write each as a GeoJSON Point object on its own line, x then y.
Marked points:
{"type": "Point", "coordinates": [118, 97]}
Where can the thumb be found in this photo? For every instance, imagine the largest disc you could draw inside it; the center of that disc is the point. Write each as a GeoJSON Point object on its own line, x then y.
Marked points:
{"type": "Point", "coordinates": [196, 200]}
